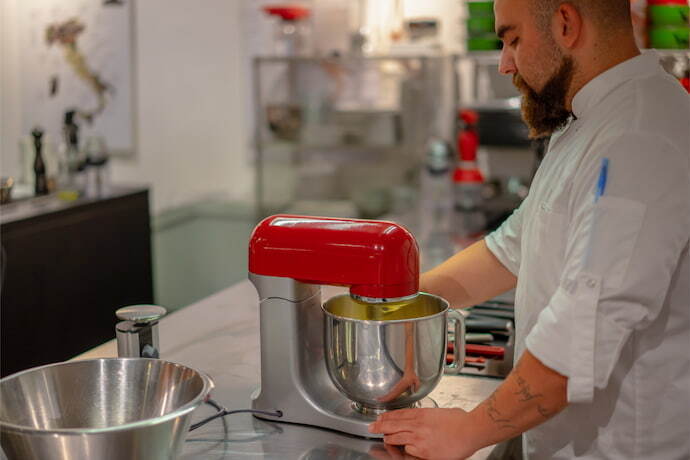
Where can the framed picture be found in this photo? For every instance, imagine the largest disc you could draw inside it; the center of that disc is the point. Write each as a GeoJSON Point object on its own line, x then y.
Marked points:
{"type": "Point", "coordinates": [78, 56]}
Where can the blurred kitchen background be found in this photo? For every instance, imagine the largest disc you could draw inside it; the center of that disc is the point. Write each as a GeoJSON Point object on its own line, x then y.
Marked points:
{"type": "Point", "coordinates": [142, 140]}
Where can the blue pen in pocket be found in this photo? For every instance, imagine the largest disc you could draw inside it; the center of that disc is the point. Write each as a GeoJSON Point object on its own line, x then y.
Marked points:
{"type": "Point", "coordinates": [598, 193]}
{"type": "Point", "coordinates": [603, 176]}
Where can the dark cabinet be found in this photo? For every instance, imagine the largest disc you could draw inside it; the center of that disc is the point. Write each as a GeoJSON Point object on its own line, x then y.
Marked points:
{"type": "Point", "coordinates": [66, 271]}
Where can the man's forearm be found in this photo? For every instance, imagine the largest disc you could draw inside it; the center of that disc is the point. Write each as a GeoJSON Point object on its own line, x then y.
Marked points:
{"type": "Point", "coordinates": [531, 394]}
{"type": "Point", "coordinates": [471, 276]}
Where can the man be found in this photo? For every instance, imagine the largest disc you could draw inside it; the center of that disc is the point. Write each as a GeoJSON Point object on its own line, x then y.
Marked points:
{"type": "Point", "coordinates": [598, 253]}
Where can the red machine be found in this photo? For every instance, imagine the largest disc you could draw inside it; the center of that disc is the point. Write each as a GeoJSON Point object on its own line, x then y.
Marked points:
{"type": "Point", "coordinates": [467, 171]}
{"type": "Point", "coordinates": [378, 260]}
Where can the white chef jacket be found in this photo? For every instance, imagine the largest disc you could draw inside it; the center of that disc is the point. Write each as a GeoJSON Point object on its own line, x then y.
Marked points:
{"type": "Point", "coordinates": [603, 291]}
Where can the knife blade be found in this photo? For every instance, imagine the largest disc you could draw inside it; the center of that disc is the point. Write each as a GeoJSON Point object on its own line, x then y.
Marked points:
{"type": "Point", "coordinates": [494, 313]}
{"type": "Point", "coordinates": [475, 323]}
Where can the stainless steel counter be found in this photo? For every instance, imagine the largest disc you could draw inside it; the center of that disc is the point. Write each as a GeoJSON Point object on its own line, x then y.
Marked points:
{"type": "Point", "coordinates": [220, 336]}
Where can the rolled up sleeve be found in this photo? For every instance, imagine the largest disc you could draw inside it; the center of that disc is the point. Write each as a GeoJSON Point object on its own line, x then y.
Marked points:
{"type": "Point", "coordinates": [505, 241]}
{"type": "Point", "coordinates": [621, 254]}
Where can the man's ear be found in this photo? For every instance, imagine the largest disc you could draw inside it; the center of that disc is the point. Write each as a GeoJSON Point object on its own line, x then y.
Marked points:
{"type": "Point", "coordinates": [567, 25]}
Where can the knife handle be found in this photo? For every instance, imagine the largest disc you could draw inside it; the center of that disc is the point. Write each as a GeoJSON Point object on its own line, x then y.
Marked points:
{"type": "Point", "coordinates": [488, 351]}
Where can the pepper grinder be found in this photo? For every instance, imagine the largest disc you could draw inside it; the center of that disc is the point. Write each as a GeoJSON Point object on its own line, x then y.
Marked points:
{"type": "Point", "coordinates": [137, 333]}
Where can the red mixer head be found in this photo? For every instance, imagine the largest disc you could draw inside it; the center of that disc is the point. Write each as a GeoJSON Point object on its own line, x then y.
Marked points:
{"type": "Point", "coordinates": [376, 259]}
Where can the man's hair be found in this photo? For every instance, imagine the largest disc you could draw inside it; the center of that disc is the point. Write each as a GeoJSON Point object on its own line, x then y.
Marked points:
{"type": "Point", "coordinates": [611, 14]}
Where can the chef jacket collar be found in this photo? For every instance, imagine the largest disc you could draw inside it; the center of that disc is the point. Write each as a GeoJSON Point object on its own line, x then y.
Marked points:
{"type": "Point", "coordinates": [597, 88]}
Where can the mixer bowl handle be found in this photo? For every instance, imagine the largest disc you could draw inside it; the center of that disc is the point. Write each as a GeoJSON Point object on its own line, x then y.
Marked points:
{"type": "Point", "coordinates": [458, 319]}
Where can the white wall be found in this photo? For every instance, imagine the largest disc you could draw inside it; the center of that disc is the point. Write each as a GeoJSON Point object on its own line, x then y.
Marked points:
{"type": "Point", "coordinates": [191, 128]}
{"type": "Point", "coordinates": [10, 88]}
{"type": "Point", "coordinates": [190, 83]}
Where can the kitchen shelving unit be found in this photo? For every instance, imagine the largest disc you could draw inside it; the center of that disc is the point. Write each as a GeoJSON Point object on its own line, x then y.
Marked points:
{"type": "Point", "coordinates": [343, 135]}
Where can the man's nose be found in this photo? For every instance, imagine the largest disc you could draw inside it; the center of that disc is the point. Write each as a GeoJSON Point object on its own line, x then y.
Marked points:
{"type": "Point", "coordinates": [507, 63]}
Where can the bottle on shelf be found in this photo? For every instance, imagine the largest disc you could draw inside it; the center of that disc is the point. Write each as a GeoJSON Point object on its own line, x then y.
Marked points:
{"type": "Point", "coordinates": [71, 132]}
{"type": "Point", "coordinates": [52, 160]}
{"type": "Point", "coordinates": [97, 178]}
{"type": "Point", "coordinates": [74, 165]}
{"type": "Point", "coordinates": [436, 185]}
{"type": "Point", "coordinates": [468, 180]}
{"type": "Point", "coordinates": [40, 178]}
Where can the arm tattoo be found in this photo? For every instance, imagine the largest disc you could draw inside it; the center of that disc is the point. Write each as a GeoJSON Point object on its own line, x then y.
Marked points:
{"type": "Point", "coordinates": [495, 415]}
{"type": "Point", "coordinates": [524, 392]}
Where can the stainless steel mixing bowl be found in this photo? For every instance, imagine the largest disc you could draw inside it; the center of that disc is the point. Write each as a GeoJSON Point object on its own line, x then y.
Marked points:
{"type": "Point", "coordinates": [391, 355]}
{"type": "Point", "coordinates": [117, 408]}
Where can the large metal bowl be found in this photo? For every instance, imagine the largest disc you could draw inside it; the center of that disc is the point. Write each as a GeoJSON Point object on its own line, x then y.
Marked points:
{"type": "Point", "coordinates": [117, 408]}
{"type": "Point", "coordinates": [391, 355]}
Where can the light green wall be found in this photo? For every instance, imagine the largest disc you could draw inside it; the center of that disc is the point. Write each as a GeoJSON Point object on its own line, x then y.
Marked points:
{"type": "Point", "coordinates": [198, 250]}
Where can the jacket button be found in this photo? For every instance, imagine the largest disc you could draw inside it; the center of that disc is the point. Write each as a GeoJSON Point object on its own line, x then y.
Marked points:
{"type": "Point", "coordinates": [591, 283]}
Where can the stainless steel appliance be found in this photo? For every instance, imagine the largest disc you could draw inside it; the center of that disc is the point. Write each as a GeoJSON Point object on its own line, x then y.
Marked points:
{"type": "Point", "coordinates": [380, 347]}
{"type": "Point", "coordinates": [115, 408]}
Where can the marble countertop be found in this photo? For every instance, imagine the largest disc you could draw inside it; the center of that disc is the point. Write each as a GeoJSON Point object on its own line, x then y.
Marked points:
{"type": "Point", "coordinates": [220, 336]}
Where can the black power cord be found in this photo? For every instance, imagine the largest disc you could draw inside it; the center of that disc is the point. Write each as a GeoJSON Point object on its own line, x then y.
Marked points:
{"type": "Point", "coordinates": [222, 412]}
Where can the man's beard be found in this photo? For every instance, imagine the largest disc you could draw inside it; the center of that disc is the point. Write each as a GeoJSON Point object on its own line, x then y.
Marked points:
{"type": "Point", "coordinates": [544, 111]}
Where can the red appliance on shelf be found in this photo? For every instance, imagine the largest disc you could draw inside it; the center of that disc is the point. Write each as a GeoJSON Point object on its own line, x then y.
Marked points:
{"type": "Point", "coordinates": [288, 12]}
{"type": "Point", "coordinates": [468, 180]}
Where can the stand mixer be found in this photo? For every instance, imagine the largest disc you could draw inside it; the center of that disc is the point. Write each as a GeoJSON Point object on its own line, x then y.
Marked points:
{"type": "Point", "coordinates": [380, 347]}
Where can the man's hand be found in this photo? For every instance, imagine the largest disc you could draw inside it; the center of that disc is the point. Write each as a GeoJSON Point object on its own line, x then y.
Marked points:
{"type": "Point", "coordinates": [428, 433]}
{"type": "Point", "coordinates": [531, 394]}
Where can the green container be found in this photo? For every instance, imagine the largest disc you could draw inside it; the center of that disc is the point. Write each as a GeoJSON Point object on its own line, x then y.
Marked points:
{"type": "Point", "coordinates": [480, 8]}
{"type": "Point", "coordinates": [483, 43]}
{"type": "Point", "coordinates": [480, 25]}
{"type": "Point", "coordinates": [669, 37]}
{"type": "Point", "coordinates": [669, 15]}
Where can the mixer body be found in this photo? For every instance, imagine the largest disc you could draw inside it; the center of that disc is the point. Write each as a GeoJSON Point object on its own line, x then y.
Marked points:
{"type": "Point", "coordinates": [294, 378]}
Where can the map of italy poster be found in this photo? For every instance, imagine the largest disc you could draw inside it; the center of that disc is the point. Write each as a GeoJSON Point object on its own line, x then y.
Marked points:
{"type": "Point", "coordinates": [78, 55]}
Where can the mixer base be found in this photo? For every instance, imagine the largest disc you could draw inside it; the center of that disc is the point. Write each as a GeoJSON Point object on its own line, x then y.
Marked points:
{"type": "Point", "coordinates": [424, 403]}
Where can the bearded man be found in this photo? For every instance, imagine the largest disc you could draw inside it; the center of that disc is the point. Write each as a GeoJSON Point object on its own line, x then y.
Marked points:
{"type": "Point", "coordinates": [598, 253]}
